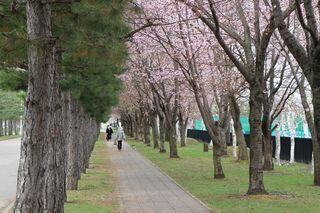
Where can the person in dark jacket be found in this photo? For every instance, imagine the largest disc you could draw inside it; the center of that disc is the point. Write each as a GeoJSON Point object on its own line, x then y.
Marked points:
{"type": "Point", "coordinates": [109, 132]}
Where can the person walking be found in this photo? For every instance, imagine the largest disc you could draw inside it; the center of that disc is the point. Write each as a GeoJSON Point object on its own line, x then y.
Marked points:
{"type": "Point", "coordinates": [120, 137]}
{"type": "Point", "coordinates": [109, 132]}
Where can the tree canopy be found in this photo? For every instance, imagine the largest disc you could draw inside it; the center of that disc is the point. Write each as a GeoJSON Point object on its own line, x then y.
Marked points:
{"type": "Point", "coordinates": [92, 50]}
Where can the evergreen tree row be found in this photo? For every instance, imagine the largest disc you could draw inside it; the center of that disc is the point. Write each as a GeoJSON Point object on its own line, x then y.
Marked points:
{"type": "Point", "coordinates": [67, 57]}
{"type": "Point", "coordinates": [11, 111]}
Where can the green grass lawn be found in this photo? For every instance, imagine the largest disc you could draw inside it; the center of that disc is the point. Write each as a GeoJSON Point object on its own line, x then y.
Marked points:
{"type": "Point", "coordinates": [96, 188]}
{"type": "Point", "coordinates": [290, 187]}
{"type": "Point", "coordinates": [7, 137]}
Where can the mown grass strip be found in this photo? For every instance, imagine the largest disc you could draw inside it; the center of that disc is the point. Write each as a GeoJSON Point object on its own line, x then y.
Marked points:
{"type": "Point", "coordinates": [96, 191]}
{"type": "Point", "coordinates": [8, 137]}
{"type": "Point", "coordinates": [290, 186]}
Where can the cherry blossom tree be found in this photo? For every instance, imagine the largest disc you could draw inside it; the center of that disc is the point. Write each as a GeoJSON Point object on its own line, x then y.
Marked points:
{"type": "Point", "coordinates": [249, 32]}
{"type": "Point", "coordinates": [304, 45]}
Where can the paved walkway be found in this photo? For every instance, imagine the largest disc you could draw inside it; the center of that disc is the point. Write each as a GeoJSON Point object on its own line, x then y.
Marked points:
{"type": "Point", "coordinates": [143, 188]}
{"type": "Point", "coordinates": [9, 161]}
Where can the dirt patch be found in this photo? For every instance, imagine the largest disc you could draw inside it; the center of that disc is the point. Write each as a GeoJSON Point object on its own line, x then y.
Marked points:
{"type": "Point", "coordinates": [279, 173]}
{"type": "Point", "coordinates": [270, 196]}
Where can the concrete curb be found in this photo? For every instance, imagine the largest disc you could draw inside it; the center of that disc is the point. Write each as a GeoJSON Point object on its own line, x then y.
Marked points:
{"type": "Point", "coordinates": [189, 193]}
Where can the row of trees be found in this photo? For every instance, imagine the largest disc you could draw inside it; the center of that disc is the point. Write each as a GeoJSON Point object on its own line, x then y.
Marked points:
{"type": "Point", "coordinates": [11, 112]}
{"type": "Point", "coordinates": [222, 53]}
{"type": "Point", "coordinates": [9, 127]}
{"type": "Point", "coordinates": [66, 57]}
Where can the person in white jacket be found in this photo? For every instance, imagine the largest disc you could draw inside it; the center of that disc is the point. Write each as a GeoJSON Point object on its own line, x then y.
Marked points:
{"type": "Point", "coordinates": [120, 137]}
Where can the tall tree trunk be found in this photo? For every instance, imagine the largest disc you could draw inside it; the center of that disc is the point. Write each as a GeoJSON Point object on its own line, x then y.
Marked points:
{"type": "Point", "coordinates": [73, 127]}
{"type": "Point", "coordinates": [213, 130]}
{"type": "Point", "coordinates": [183, 130]}
{"type": "Point", "coordinates": [223, 140]}
{"type": "Point", "coordinates": [6, 127]}
{"type": "Point", "coordinates": [173, 141]}
{"type": "Point", "coordinates": [292, 130]}
{"type": "Point", "coordinates": [15, 127]}
{"type": "Point", "coordinates": [256, 185]}
{"type": "Point", "coordinates": [316, 140]}
{"type": "Point", "coordinates": [1, 128]}
{"type": "Point", "coordinates": [312, 164]}
{"type": "Point", "coordinates": [131, 133]}
{"type": "Point", "coordinates": [155, 131]}
{"type": "Point", "coordinates": [242, 146]}
{"type": "Point", "coordinates": [10, 124]}
{"type": "Point", "coordinates": [41, 175]}
{"type": "Point", "coordinates": [140, 131]}
{"type": "Point", "coordinates": [234, 141]}
{"type": "Point", "coordinates": [292, 148]}
{"type": "Point", "coordinates": [167, 133]}
{"type": "Point", "coordinates": [146, 132]}
{"type": "Point", "coordinates": [136, 130]}
{"type": "Point", "coordinates": [218, 171]}
{"type": "Point", "coordinates": [87, 142]}
{"type": "Point", "coordinates": [205, 147]}
{"type": "Point", "coordinates": [266, 137]}
{"type": "Point", "coordinates": [268, 159]}
{"type": "Point", "coordinates": [224, 123]}
{"type": "Point", "coordinates": [82, 141]}
{"type": "Point", "coordinates": [311, 124]}
{"type": "Point", "coordinates": [278, 146]}
{"type": "Point", "coordinates": [162, 135]}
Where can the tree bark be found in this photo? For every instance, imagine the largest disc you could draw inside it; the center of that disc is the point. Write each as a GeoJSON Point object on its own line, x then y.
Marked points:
{"type": "Point", "coordinates": [218, 171]}
{"type": "Point", "coordinates": [266, 130]}
{"type": "Point", "coordinates": [82, 140]}
{"type": "Point", "coordinates": [136, 129]}
{"type": "Point", "coordinates": [292, 147]}
{"type": "Point", "coordinates": [41, 175]}
{"type": "Point", "coordinates": [9, 127]}
{"type": "Point", "coordinates": [234, 141]}
{"type": "Point", "coordinates": [167, 133]}
{"type": "Point", "coordinates": [155, 132]}
{"type": "Point", "coordinates": [312, 164]}
{"type": "Point", "coordinates": [268, 159]}
{"type": "Point", "coordinates": [146, 132]}
{"type": "Point", "coordinates": [316, 110]}
{"type": "Point", "coordinates": [242, 146]}
{"type": "Point", "coordinates": [183, 130]}
{"type": "Point", "coordinates": [223, 139]}
{"type": "Point", "coordinates": [1, 128]}
{"type": "Point", "coordinates": [73, 127]}
{"type": "Point", "coordinates": [205, 147]}
{"type": "Point", "coordinates": [173, 141]}
{"type": "Point", "coordinates": [14, 127]}
{"type": "Point", "coordinates": [162, 135]}
{"type": "Point", "coordinates": [256, 185]}
{"type": "Point", "coordinates": [6, 127]}
{"type": "Point", "coordinates": [87, 142]}
{"type": "Point", "coordinates": [278, 146]}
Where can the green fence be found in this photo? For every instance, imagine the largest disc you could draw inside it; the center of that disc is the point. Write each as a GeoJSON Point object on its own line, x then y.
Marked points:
{"type": "Point", "coordinates": [301, 128]}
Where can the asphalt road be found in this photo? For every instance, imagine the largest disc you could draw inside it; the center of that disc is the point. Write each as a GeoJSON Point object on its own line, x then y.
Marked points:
{"type": "Point", "coordinates": [9, 162]}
